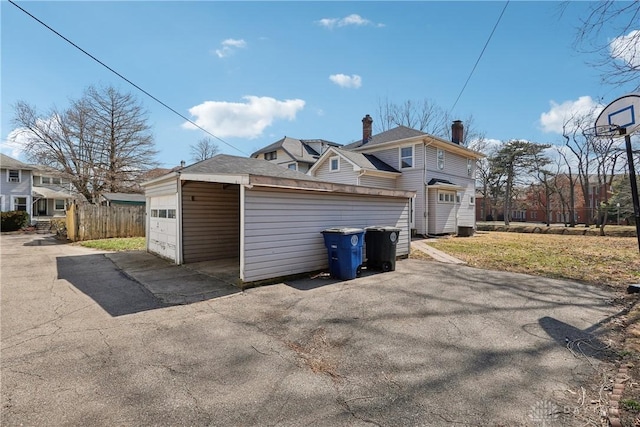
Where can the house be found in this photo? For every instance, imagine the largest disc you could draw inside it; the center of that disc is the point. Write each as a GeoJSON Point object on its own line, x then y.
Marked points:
{"type": "Point", "coordinates": [294, 154]}
{"type": "Point", "coordinates": [16, 183]}
{"type": "Point", "coordinates": [440, 172]}
{"type": "Point", "coordinates": [52, 193]}
{"type": "Point", "coordinates": [122, 199]}
{"type": "Point", "coordinates": [266, 218]}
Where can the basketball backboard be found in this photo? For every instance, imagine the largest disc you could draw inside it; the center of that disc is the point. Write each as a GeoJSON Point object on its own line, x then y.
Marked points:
{"type": "Point", "coordinates": [620, 117]}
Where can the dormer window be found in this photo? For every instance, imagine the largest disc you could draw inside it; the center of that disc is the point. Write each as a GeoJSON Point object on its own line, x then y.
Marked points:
{"type": "Point", "coordinates": [271, 155]}
{"type": "Point", "coordinates": [334, 164]}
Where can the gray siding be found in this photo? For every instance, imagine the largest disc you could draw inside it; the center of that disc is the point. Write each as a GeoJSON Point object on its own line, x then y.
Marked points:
{"type": "Point", "coordinates": [282, 229]}
{"type": "Point", "coordinates": [345, 174]}
{"type": "Point", "coordinates": [210, 221]}
{"type": "Point", "coordinates": [162, 189]}
{"type": "Point", "coordinates": [15, 189]}
{"type": "Point", "coordinates": [378, 181]}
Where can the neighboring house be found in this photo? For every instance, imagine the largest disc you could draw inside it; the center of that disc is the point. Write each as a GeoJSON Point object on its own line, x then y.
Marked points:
{"type": "Point", "coordinates": [52, 193]}
{"type": "Point", "coordinates": [294, 154]}
{"type": "Point", "coordinates": [266, 217]}
{"type": "Point", "coordinates": [122, 199]}
{"type": "Point", "coordinates": [16, 182]}
{"type": "Point", "coordinates": [440, 172]}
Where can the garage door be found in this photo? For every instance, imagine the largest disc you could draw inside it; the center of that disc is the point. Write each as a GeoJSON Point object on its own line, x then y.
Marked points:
{"type": "Point", "coordinates": [163, 226]}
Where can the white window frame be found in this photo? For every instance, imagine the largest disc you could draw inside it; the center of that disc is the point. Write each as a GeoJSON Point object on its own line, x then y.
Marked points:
{"type": "Point", "coordinates": [55, 204]}
{"type": "Point", "coordinates": [401, 157]}
{"type": "Point", "coordinates": [294, 168]}
{"type": "Point", "coordinates": [331, 159]}
{"type": "Point", "coordinates": [42, 178]}
{"type": "Point", "coordinates": [472, 200]}
{"type": "Point", "coordinates": [445, 196]}
{"type": "Point", "coordinates": [19, 175]}
{"type": "Point", "coordinates": [469, 167]}
{"type": "Point", "coordinates": [17, 196]}
{"type": "Point", "coordinates": [440, 160]}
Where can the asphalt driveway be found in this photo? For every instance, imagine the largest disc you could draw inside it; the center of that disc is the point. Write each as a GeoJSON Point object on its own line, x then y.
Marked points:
{"type": "Point", "coordinates": [429, 344]}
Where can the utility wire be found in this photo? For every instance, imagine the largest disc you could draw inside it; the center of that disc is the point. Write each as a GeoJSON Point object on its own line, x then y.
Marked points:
{"type": "Point", "coordinates": [126, 79]}
{"type": "Point", "coordinates": [479, 57]}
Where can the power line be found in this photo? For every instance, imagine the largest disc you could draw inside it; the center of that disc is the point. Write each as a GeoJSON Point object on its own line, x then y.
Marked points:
{"type": "Point", "coordinates": [479, 57]}
{"type": "Point", "coordinates": [126, 79]}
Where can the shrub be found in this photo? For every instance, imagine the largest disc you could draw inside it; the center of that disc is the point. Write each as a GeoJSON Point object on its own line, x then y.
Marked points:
{"type": "Point", "coordinates": [13, 220]}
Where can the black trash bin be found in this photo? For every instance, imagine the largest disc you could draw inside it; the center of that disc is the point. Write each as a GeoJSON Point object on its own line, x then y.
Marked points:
{"type": "Point", "coordinates": [381, 242]}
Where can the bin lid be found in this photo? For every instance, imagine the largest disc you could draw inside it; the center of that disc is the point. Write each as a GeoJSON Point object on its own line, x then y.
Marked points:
{"type": "Point", "coordinates": [383, 228]}
{"type": "Point", "coordinates": [343, 230]}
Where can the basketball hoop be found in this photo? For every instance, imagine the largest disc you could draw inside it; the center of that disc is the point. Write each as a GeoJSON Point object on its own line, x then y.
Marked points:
{"type": "Point", "coordinates": [622, 118]}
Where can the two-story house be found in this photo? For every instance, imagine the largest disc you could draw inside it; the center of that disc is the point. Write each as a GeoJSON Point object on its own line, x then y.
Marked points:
{"type": "Point", "coordinates": [442, 173]}
{"type": "Point", "coordinates": [52, 193]}
{"type": "Point", "coordinates": [294, 154]}
{"type": "Point", "coordinates": [16, 181]}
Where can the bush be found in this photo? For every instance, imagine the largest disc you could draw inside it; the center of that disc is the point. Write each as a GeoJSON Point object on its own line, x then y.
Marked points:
{"type": "Point", "coordinates": [13, 220]}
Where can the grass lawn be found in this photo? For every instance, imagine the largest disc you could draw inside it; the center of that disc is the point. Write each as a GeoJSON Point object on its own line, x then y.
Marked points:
{"type": "Point", "coordinates": [116, 244]}
{"type": "Point", "coordinates": [613, 261]}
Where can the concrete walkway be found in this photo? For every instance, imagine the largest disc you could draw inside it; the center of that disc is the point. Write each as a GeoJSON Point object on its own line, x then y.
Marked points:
{"type": "Point", "coordinates": [421, 245]}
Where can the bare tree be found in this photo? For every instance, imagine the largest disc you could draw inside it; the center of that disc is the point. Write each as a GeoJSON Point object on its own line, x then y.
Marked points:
{"type": "Point", "coordinates": [618, 52]}
{"type": "Point", "coordinates": [203, 149]}
{"type": "Point", "coordinates": [102, 140]}
{"type": "Point", "coordinates": [424, 116]}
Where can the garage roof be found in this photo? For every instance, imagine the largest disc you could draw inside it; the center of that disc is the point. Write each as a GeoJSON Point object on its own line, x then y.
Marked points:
{"type": "Point", "coordinates": [227, 169]}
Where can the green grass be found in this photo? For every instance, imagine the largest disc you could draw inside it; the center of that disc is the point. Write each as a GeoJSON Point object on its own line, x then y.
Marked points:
{"type": "Point", "coordinates": [592, 259]}
{"type": "Point", "coordinates": [116, 244]}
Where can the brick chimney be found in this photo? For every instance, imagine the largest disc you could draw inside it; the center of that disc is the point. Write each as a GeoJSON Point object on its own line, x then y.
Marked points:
{"type": "Point", "coordinates": [457, 132]}
{"type": "Point", "coordinates": [367, 123]}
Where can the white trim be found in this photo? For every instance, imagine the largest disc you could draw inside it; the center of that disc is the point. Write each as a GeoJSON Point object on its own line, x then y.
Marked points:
{"type": "Point", "coordinates": [413, 157]}
{"type": "Point", "coordinates": [27, 202]}
{"type": "Point", "coordinates": [179, 251]}
{"type": "Point", "coordinates": [444, 158]}
{"type": "Point", "coordinates": [241, 179]}
{"type": "Point", "coordinates": [19, 175]}
{"type": "Point", "coordinates": [242, 234]}
{"type": "Point", "coordinates": [59, 200]}
{"type": "Point", "coordinates": [331, 159]}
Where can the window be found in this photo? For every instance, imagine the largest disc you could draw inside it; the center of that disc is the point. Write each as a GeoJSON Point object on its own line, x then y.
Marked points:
{"type": "Point", "coordinates": [13, 175]}
{"type": "Point", "coordinates": [59, 204]}
{"type": "Point", "coordinates": [334, 164]}
{"type": "Point", "coordinates": [271, 155]}
{"type": "Point", "coordinates": [440, 158]}
{"type": "Point", "coordinates": [19, 203]}
{"type": "Point", "coordinates": [458, 198]}
{"type": "Point", "coordinates": [55, 180]}
{"type": "Point", "coordinates": [446, 197]}
{"type": "Point", "coordinates": [293, 167]}
{"type": "Point", "coordinates": [469, 167]}
{"type": "Point", "coordinates": [162, 213]}
{"type": "Point", "coordinates": [406, 157]}
{"type": "Point", "coordinates": [45, 180]}
{"type": "Point", "coordinates": [154, 213]}
{"type": "Point", "coordinates": [472, 200]}
{"type": "Point", "coordinates": [171, 213]}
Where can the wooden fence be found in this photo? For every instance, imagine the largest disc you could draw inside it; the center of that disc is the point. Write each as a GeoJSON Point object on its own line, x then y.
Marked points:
{"type": "Point", "coordinates": [89, 222]}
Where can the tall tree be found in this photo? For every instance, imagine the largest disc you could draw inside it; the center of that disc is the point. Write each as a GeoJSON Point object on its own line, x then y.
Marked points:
{"type": "Point", "coordinates": [516, 160]}
{"type": "Point", "coordinates": [102, 139]}
{"type": "Point", "coordinates": [203, 149]}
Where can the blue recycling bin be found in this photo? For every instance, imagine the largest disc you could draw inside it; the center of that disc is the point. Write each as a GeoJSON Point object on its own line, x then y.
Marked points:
{"type": "Point", "coordinates": [344, 248]}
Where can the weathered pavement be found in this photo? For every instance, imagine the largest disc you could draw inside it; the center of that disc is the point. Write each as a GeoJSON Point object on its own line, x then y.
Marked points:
{"type": "Point", "coordinates": [429, 344]}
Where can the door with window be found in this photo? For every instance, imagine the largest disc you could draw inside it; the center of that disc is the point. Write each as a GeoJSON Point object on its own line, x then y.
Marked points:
{"type": "Point", "coordinates": [41, 207]}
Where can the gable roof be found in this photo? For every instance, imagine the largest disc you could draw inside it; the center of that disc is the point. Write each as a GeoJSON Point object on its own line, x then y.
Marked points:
{"type": "Point", "coordinates": [7, 162]}
{"type": "Point", "coordinates": [361, 160]}
{"type": "Point", "coordinates": [298, 149]}
{"type": "Point", "coordinates": [124, 197]}
{"type": "Point", "coordinates": [234, 165]}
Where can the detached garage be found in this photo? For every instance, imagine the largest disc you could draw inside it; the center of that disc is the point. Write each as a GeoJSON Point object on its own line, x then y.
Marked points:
{"type": "Point", "coordinates": [267, 217]}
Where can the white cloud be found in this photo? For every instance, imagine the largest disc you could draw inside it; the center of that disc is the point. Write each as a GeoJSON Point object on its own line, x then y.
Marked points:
{"type": "Point", "coordinates": [14, 145]}
{"type": "Point", "coordinates": [229, 46]}
{"type": "Point", "coordinates": [354, 81]}
{"type": "Point", "coordinates": [559, 114]}
{"type": "Point", "coordinates": [243, 120]}
{"type": "Point", "coordinates": [353, 19]}
{"type": "Point", "coordinates": [626, 48]}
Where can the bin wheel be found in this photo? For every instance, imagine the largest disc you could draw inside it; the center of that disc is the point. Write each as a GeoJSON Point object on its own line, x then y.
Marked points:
{"type": "Point", "coordinates": [359, 271]}
{"type": "Point", "coordinates": [386, 266]}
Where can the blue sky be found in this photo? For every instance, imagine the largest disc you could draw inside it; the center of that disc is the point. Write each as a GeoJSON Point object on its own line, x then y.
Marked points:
{"type": "Point", "coordinates": [253, 72]}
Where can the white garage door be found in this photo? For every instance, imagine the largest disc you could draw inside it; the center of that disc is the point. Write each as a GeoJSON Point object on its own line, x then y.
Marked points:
{"type": "Point", "coordinates": [163, 226]}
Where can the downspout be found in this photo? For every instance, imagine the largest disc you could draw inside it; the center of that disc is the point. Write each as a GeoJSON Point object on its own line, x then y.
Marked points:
{"type": "Point", "coordinates": [425, 191]}
{"type": "Point", "coordinates": [179, 221]}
